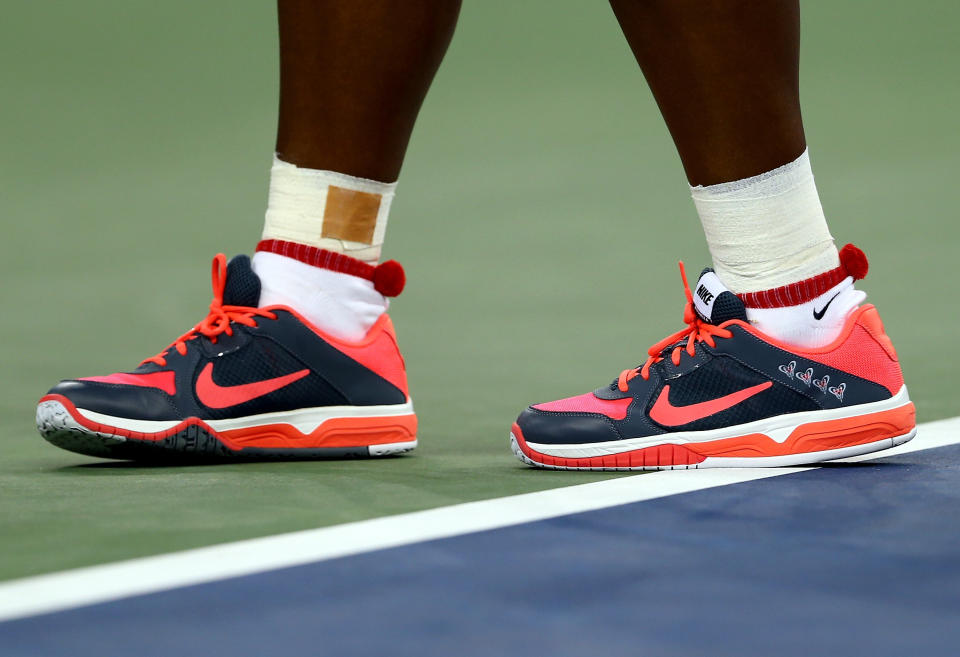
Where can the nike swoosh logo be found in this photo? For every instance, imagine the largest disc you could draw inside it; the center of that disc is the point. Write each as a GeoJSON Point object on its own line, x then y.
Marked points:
{"type": "Point", "coordinates": [212, 395]}
{"type": "Point", "coordinates": [665, 413]}
{"type": "Point", "coordinates": [819, 315]}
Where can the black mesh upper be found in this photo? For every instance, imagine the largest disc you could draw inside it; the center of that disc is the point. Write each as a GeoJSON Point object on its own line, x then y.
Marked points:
{"type": "Point", "coordinates": [723, 376]}
{"type": "Point", "coordinates": [242, 287]}
{"type": "Point", "coordinates": [261, 360]}
{"type": "Point", "coordinates": [727, 306]}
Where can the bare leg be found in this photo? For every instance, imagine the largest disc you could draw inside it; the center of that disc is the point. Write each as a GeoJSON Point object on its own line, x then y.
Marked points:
{"type": "Point", "coordinates": [353, 74]}
{"type": "Point", "coordinates": [725, 74]}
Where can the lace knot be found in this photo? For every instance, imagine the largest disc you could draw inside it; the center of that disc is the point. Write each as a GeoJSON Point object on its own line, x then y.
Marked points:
{"type": "Point", "coordinates": [218, 320]}
{"type": "Point", "coordinates": [696, 330]}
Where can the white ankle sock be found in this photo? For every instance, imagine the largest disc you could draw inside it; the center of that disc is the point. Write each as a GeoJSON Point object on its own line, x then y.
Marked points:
{"type": "Point", "coordinates": [342, 305]}
{"type": "Point", "coordinates": [331, 211]}
{"type": "Point", "coordinates": [768, 230]}
{"type": "Point", "coordinates": [814, 323]}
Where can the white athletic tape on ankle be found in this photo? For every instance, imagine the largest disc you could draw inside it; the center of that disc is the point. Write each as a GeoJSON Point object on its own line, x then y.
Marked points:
{"type": "Point", "coordinates": [768, 230]}
{"type": "Point", "coordinates": [328, 210]}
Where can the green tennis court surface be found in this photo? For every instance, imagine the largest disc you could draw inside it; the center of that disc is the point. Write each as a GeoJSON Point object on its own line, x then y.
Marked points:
{"type": "Point", "coordinates": [540, 216]}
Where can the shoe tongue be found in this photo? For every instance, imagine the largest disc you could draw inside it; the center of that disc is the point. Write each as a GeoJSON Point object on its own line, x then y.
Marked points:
{"type": "Point", "coordinates": [714, 303]}
{"type": "Point", "coordinates": [242, 287]}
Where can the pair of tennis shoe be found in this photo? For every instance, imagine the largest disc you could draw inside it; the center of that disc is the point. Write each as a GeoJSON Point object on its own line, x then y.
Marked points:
{"type": "Point", "coordinates": [263, 383]}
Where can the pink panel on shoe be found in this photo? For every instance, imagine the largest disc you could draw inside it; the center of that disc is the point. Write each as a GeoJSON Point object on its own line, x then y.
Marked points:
{"type": "Point", "coordinates": [864, 356]}
{"type": "Point", "coordinates": [161, 380]}
{"type": "Point", "coordinates": [615, 409]}
{"type": "Point", "coordinates": [862, 349]}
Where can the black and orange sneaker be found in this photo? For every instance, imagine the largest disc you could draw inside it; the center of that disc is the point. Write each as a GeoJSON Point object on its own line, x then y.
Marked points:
{"type": "Point", "coordinates": [720, 393]}
{"type": "Point", "coordinates": [244, 383]}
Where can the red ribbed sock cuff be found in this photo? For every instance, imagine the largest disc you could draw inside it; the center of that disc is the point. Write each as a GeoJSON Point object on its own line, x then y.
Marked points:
{"type": "Point", "coordinates": [388, 277]}
{"type": "Point", "coordinates": [853, 262]}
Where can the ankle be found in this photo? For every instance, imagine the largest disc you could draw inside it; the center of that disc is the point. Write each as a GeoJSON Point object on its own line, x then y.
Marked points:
{"type": "Point", "coordinates": [322, 237]}
{"type": "Point", "coordinates": [768, 230]}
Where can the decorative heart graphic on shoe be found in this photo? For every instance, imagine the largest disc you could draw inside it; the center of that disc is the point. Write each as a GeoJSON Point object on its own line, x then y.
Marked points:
{"type": "Point", "coordinates": [789, 368]}
{"type": "Point", "coordinates": [837, 391]}
{"type": "Point", "coordinates": [822, 383]}
{"type": "Point", "coordinates": [806, 377]}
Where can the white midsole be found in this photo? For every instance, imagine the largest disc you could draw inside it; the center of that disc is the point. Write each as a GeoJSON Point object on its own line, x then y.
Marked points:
{"type": "Point", "coordinates": [304, 420]}
{"type": "Point", "coordinates": [777, 428]}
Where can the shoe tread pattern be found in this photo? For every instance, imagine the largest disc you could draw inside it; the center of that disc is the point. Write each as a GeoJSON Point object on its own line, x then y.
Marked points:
{"type": "Point", "coordinates": [193, 444]}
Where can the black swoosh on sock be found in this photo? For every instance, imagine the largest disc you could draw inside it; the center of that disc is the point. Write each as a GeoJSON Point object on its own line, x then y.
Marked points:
{"type": "Point", "coordinates": [819, 315]}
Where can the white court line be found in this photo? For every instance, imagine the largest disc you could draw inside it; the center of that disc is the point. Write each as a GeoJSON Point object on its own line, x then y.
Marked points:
{"type": "Point", "coordinates": [83, 586]}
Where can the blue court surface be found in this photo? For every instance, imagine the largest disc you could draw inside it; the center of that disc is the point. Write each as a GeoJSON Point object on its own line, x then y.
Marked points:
{"type": "Point", "coordinates": [847, 559]}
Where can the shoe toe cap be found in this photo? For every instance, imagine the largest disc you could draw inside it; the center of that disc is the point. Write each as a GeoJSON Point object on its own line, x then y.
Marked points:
{"type": "Point", "coordinates": [554, 428]}
{"type": "Point", "coordinates": [117, 400]}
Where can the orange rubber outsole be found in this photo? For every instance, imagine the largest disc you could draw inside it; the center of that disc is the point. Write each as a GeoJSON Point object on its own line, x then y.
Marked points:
{"type": "Point", "coordinates": [808, 438]}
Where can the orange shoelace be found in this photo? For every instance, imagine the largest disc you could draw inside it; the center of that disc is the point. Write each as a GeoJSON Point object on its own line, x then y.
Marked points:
{"type": "Point", "coordinates": [696, 331]}
{"type": "Point", "coordinates": [218, 320]}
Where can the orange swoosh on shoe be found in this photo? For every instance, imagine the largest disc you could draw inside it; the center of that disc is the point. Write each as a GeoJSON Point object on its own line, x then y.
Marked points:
{"type": "Point", "coordinates": [665, 413]}
{"type": "Point", "coordinates": [215, 396]}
